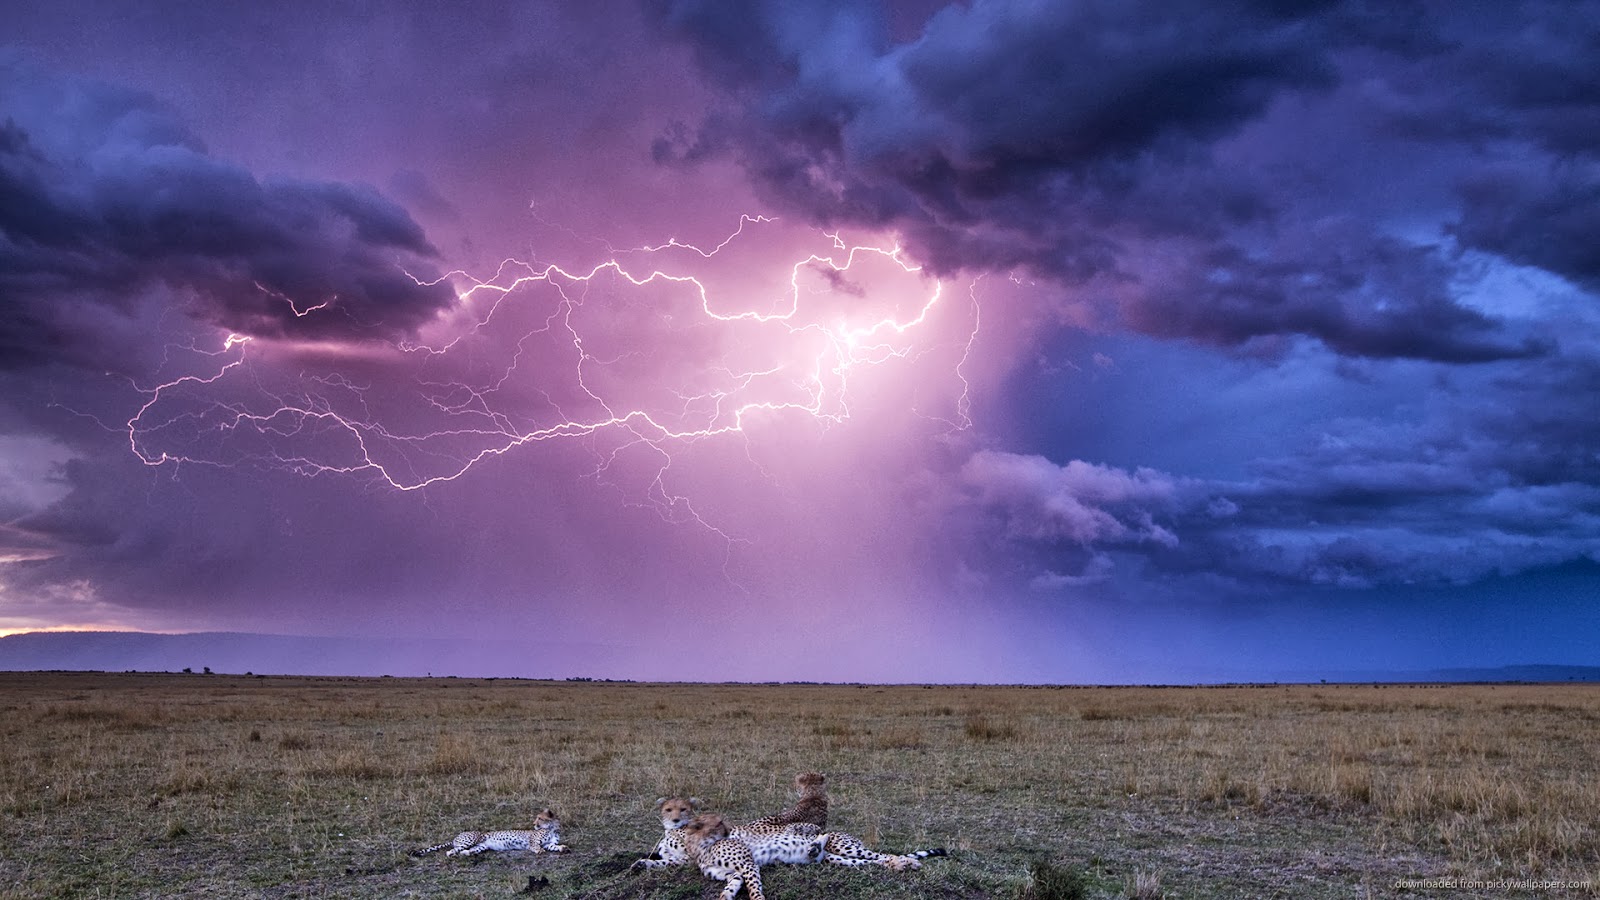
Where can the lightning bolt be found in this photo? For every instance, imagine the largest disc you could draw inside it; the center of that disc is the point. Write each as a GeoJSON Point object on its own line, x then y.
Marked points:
{"type": "Point", "coordinates": [842, 310]}
{"type": "Point", "coordinates": [289, 301]}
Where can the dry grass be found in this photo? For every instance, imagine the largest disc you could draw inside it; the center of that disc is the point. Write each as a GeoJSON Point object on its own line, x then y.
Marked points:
{"type": "Point", "coordinates": [224, 786]}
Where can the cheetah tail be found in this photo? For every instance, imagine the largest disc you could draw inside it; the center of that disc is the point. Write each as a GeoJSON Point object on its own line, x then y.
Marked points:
{"type": "Point", "coordinates": [426, 850]}
{"type": "Point", "coordinates": [924, 854]}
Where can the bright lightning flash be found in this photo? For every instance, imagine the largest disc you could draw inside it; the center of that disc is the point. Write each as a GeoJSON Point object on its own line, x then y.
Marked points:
{"type": "Point", "coordinates": [639, 357]}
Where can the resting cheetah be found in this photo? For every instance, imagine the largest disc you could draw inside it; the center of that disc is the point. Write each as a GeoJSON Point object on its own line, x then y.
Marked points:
{"type": "Point", "coordinates": [768, 844]}
{"type": "Point", "coordinates": [669, 851]}
{"type": "Point", "coordinates": [797, 843]}
{"type": "Point", "coordinates": [544, 836]}
{"type": "Point", "coordinates": [842, 849]}
{"type": "Point", "coordinates": [773, 844]}
{"type": "Point", "coordinates": [719, 856]}
{"type": "Point", "coordinates": [812, 806]}
{"type": "Point", "coordinates": [792, 844]}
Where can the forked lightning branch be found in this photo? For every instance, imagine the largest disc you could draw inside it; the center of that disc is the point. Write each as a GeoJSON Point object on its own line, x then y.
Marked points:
{"type": "Point", "coordinates": [642, 355]}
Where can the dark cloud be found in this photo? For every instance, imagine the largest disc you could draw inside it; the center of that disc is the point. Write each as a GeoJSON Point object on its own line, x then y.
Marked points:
{"type": "Point", "coordinates": [1080, 141]}
{"type": "Point", "coordinates": [1362, 294]}
{"type": "Point", "coordinates": [1516, 83]}
{"type": "Point", "coordinates": [1546, 219]}
{"type": "Point", "coordinates": [1380, 524]}
{"type": "Point", "coordinates": [1484, 485]}
{"type": "Point", "coordinates": [19, 544]}
{"type": "Point", "coordinates": [1536, 423]}
{"type": "Point", "coordinates": [1489, 476]}
{"type": "Point", "coordinates": [990, 104]}
{"type": "Point", "coordinates": [104, 195]}
{"type": "Point", "coordinates": [1517, 71]}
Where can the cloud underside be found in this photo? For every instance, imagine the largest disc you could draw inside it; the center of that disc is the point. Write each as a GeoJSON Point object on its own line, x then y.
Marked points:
{"type": "Point", "coordinates": [1354, 524]}
{"type": "Point", "coordinates": [105, 197]}
{"type": "Point", "coordinates": [1121, 157]}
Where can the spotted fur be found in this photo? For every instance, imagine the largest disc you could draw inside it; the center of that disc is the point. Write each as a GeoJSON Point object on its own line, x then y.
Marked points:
{"type": "Point", "coordinates": [669, 851]}
{"type": "Point", "coordinates": [707, 841]}
{"type": "Point", "coordinates": [773, 844]}
{"type": "Point", "coordinates": [545, 836]}
{"type": "Point", "coordinates": [801, 842]}
{"type": "Point", "coordinates": [811, 805]}
{"type": "Point", "coordinates": [811, 808]}
{"type": "Point", "coordinates": [846, 850]}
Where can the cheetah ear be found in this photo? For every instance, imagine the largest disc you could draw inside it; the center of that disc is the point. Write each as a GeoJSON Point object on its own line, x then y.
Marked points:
{"type": "Point", "coordinates": [695, 802]}
{"type": "Point", "coordinates": [659, 801]}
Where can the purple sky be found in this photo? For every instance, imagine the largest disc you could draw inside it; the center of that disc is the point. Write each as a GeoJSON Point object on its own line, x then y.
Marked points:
{"type": "Point", "coordinates": [991, 342]}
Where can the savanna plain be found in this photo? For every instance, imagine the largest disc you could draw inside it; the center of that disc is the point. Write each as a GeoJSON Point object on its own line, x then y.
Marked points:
{"type": "Point", "coordinates": [199, 785]}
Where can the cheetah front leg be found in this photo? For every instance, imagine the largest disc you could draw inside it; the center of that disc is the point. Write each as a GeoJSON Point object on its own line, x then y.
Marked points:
{"type": "Point", "coordinates": [751, 881]}
{"type": "Point", "coordinates": [752, 884]}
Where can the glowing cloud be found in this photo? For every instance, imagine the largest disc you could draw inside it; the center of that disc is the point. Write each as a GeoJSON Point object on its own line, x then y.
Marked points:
{"type": "Point", "coordinates": [639, 357]}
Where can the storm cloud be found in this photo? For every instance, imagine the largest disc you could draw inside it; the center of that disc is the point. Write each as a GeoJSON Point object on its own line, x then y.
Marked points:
{"type": "Point", "coordinates": [1114, 149]}
{"type": "Point", "coordinates": [1174, 332]}
{"type": "Point", "coordinates": [105, 196]}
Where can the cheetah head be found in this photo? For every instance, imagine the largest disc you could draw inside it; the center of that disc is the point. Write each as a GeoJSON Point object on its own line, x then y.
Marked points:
{"type": "Point", "coordinates": [676, 811]}
{"type": "Point", "coordinates": [546, 817]}
{"type": "Point", "coordinates": [810, 784]}
{"type": "Point", "coordinates": [705, 829]}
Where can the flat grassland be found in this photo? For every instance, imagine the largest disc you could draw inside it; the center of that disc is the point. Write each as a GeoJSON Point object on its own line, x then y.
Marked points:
{"type": "Point", "coordinates": [149, 785]}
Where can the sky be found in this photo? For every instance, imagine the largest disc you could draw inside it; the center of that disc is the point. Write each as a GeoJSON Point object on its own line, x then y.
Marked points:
{"type": "Point", "coordinates": [838, 341]}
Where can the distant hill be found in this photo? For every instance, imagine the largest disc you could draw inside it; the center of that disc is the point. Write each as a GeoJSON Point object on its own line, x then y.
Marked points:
{"type": "Point", "coordinates": [1519, 673]}
{"type": "Point", "coordinates": [271, 654]}
{"type": "Point", "coordinates": [1487, 674]}
{"type": "Point", "coordinates": [274, 654]}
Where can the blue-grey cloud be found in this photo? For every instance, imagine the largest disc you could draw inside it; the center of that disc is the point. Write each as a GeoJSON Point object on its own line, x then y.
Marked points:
{"type": "Point", "coordinates": [1475, 475]}
{"type": "Point", "coordinates": [1083, 141]}
{"type": "Point", "coordinates": [105, 195]}
{"type": "Point", "coordinates": [1546, 219]}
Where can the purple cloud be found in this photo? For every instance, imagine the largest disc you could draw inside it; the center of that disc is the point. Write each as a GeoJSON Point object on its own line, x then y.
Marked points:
{"type": "Point", "coordinates": [1087, 144]}
{"type": "Point", "coordinates": [1079, 502]}
{"type": "Point", "coordinates": [104, 195]}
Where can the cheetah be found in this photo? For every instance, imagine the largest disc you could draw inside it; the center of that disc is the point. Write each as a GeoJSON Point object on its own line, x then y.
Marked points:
{"type": "Point", "coordinates": [801, 842]}
{"type": "Point", "coordinates": [812, 805]}
{"type": "Point", "coordinates": [793, 844]}
{"type": "Point", "coordinates": [706, 839]}
{"type": "Point", "coordinates": [773, 844]}
{"type": "Point", "coordinates": [669, 851]}
{"type": "Point", "coordinates": [841, 849]}
{"type": "Point", "coordinates": [797, 843]}
{"type": "Point", "coordinates": [545, 836]}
